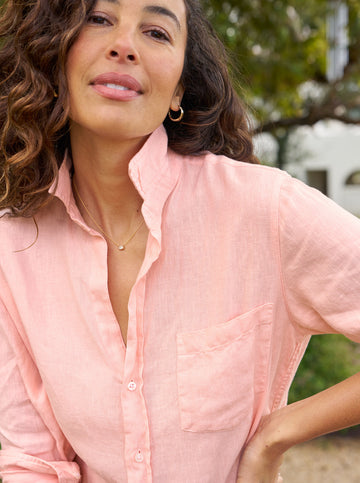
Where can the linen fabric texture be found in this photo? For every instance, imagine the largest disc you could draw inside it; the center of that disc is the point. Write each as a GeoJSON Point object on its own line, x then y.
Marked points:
{"type": "Point", "coordinates": [243, 263]}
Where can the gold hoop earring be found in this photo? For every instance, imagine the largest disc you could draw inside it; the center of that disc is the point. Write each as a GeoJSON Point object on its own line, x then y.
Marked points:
{"type": "Point", "coordinates": [176, 119]}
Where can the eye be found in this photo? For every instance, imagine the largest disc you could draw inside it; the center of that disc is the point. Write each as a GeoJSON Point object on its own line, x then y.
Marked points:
{"type": "Point", "coordinates": [95, 18]}
{"type": "Point", "coordinates": [158, 34]}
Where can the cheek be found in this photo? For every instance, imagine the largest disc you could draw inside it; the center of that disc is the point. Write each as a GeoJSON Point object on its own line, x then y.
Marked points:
{"type": "Point", "coordinates": [71, 71]}
{"type": "Point", "coordinates": [78, 58]}
{"type": "Point", "coordinates": [73, 74]}
{"type": "Point", "coordinates": [168, 79]}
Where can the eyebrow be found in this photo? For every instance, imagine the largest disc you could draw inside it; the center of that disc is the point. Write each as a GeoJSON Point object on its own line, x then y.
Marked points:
{"type": "Point", "coordinates": [159, 10]}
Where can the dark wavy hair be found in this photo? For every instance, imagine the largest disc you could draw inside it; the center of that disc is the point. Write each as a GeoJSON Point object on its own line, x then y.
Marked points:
{"type": "Point", "coordinates": [35, 38]}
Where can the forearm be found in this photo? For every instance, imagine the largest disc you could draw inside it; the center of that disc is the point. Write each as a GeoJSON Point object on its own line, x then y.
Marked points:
{"type": "Point", "coordinates": [331, 410]}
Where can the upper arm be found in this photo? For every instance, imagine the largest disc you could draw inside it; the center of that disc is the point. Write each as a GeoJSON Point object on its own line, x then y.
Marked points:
{"type": "Point", "coordinates": [320, 259]}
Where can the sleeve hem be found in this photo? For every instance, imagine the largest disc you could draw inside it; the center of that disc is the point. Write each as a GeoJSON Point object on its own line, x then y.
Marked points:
{"type": "Point", "coordinates": [12, 463]}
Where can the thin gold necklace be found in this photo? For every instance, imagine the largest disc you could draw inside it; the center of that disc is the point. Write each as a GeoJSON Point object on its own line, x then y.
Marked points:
{"type": "Point", "coordinates": [120, 246]}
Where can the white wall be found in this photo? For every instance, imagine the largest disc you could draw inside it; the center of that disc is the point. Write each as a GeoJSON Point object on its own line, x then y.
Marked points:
{"type": "Point", "coordinates": [330, 146]}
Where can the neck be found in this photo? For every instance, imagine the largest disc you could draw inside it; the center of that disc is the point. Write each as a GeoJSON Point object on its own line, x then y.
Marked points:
{"type": "Point", "coordinates": [103, 183]}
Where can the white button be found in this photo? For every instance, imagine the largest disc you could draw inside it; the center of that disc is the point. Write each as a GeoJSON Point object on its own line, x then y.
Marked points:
{"type": "Point", "coordinates": [139, 457]}
{"type": "Point", "coordinates": [132, 386]}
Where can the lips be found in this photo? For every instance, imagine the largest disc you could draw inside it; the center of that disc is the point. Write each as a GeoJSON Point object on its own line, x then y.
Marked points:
{"type": "Point", "coordinates": [118, 80]}
{"type": "Point", "coordinates": [117, 86]}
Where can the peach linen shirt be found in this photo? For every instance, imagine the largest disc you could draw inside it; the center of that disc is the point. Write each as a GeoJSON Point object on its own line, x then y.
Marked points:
{"type": "Point", "coordinates": [243, 263]}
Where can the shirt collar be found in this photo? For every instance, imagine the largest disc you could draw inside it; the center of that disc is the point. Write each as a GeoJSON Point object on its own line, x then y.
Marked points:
{"type": "Point", "coordinates": [154, 170]}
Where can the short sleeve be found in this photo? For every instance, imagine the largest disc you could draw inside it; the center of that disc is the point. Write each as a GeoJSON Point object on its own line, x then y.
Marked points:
{"type": "Point", "coordinates": [320, 261]}
{"type": "Point", "coordinates": [33, 449]}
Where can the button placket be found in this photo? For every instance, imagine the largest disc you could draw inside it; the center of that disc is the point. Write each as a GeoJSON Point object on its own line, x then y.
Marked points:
{"type": "Point", "coordinates": [136, 424]}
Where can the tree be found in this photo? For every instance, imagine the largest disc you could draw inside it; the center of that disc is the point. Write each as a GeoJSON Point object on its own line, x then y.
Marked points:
{"type": "Point", "coordinates": [280, 48]}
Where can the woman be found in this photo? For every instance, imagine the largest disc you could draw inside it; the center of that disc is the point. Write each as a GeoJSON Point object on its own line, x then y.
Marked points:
{"type": "Point", "coordinates": [156, 296]}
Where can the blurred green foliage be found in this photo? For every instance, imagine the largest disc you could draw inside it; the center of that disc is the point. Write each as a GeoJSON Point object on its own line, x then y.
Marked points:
{"type": "Point", "coordinates": [328, 360]}
{"type": "Point", "coordinates": [280, 48]}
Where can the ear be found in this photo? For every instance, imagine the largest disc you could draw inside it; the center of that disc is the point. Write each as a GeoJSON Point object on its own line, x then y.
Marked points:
{"type": "Point", "coordinates": [177, 97]}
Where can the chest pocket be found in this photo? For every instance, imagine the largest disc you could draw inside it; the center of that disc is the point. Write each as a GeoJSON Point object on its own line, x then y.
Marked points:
{"type": "Point", "coordinates": [222, 371]}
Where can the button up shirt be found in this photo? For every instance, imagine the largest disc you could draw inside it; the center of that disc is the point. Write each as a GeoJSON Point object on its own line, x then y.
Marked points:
{"type": "Point", "coordinates": [242, 264]}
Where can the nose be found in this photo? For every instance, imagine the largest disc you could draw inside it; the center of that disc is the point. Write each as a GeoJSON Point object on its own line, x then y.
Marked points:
{"type": "Point", "coordinates": [123, 47]}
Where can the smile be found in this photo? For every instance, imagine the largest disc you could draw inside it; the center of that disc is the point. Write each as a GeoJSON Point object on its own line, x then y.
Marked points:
{"type": "Point", "coordinates": [116, 86]}
{"type": "Point", "coordinates": [115, 92]}
{"type": "Point", "coordinates": [115, 80]}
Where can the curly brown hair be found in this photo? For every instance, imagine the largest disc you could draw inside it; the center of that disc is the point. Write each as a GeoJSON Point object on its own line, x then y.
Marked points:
{"type": "Point", "coordinates": [35, 38]}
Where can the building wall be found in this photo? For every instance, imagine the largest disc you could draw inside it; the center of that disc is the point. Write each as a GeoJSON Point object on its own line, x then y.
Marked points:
{"type": "Point", "coordinates": [328, 151]}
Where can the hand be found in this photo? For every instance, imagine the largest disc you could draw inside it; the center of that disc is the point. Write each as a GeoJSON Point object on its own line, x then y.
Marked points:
{"type": "Point", "coordinates": [330, 410]}
{"type": "Point", "coordinates": [259, 463]}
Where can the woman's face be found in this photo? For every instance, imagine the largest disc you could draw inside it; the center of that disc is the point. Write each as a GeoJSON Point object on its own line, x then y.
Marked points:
{"type": "Point", "coordinates": [123, 71]}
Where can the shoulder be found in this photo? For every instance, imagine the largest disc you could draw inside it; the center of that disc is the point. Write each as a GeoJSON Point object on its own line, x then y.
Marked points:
{"type": "Point", "coordinates": [303, 208]}
{"type": "Point", "coordinates": [217, 172]}
{"type": "Point", "coordinates": [221, 163]}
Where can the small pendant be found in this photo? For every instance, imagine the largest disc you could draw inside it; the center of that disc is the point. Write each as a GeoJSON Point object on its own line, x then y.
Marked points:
{"type": "Point", "coordinates": [121, 248]}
